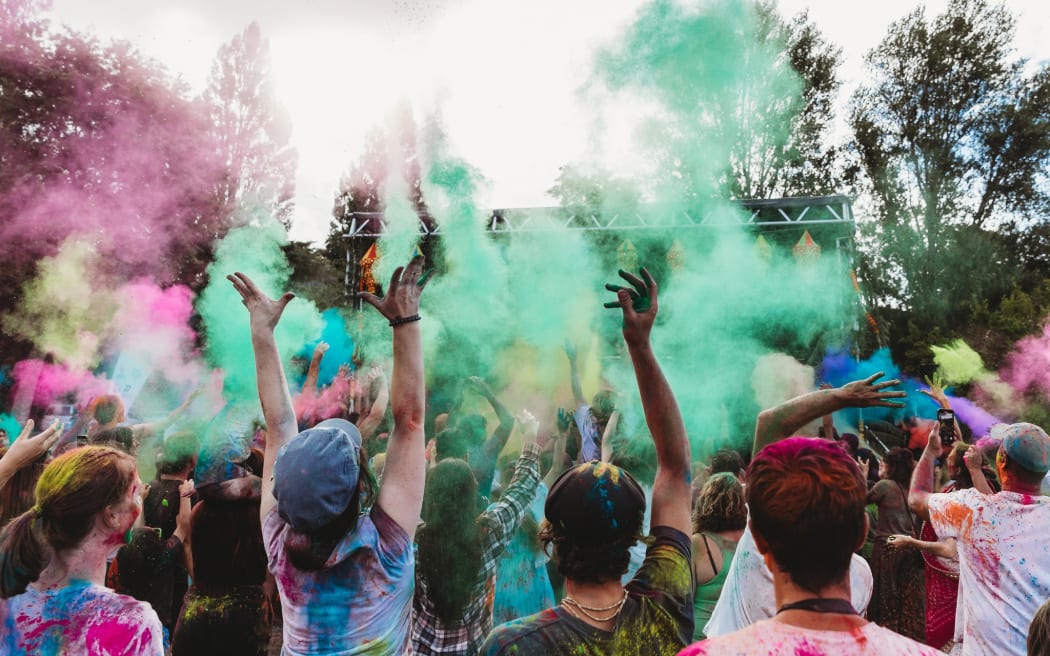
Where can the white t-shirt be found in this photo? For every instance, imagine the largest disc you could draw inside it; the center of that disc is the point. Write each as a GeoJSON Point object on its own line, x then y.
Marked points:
{"type": "Point", "coordinates": [1004, 564]}
{"type": "Point", "coordinates": [771, 638]}
{"type": "Point", "coordinates": [747, 595]}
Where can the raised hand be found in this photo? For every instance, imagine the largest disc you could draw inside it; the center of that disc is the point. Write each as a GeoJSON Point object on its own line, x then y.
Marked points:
{"type": "Point", "coordinates": [973, 458]}
{"type": "Point", "coordinates": [865, 467]}
{"type": "Point", "coordinates": [639, 305]}
{"type": "Point", "coordinates": [936, 391]}
{"type": "Point", "coordinates": [25, 449]}
{"type": "Point", "coordinates": [570, 350]}
{"type": "Point", "coordinates": [402, 294]}
{"type": "Point", "coordinates": [530, 427]}
{"type": "Point", "coordinates": [867, 393]}
{"type": "Point", "coordinates": [264, 312]}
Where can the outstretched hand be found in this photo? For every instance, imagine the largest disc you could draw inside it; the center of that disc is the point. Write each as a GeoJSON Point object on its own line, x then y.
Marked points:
{"type": "Point", "coordinates": [402, 294]}
{"type": "Point", "coordinates": [570, 350]}
{"type": "Point", "coordinates": [264, 311]}
{"type": "Point", "coordinates": [638, 303]}
{"type": "Point", "coordinates": [25, 449]}
{"type": "Point", "coordinates": [867, 393]}
{"type": "Point", "coordinates": [936, 391]}
{"type": "Point", "coordinates": [973, 458]}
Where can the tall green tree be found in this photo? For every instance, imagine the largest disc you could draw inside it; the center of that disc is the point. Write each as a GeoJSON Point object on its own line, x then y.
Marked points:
{"type": "Point", "coordinates": [743, 99]}
{"type": "Point", "coordinates": [781, 146]}
{"type": "Point", "coordinates": [250, 128]}
{"type": "Point", "coordinates": [951, 146]}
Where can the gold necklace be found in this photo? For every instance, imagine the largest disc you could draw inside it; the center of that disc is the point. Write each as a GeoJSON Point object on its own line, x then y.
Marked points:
{"type": "Point", "coordinates": [572, 606]}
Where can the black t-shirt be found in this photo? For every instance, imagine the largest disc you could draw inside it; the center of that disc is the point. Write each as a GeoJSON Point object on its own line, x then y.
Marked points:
{"type": "Point", "coordinates": [657, 617]}
{"type": "Point", "coordinates": [161, 506]}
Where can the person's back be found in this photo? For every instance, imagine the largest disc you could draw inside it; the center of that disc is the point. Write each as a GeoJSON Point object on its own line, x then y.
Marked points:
{"type": "Point", "coordinates": [1004, 562]}
{"type": "Point", "coordinates": [345, 579]}
{"type": "Point", "coordinates": [770, 637]}
{"type": "Point", "coordinates": [361, 595]}
{"type": "Point", "coordinates": [456, 570]}
{"type": "Point", "coordinates": [594, 515]}
{"type": "Point", "coordinates": [806, 499]}
{"type": "Point", "coordinates": [83, 619]}
{"type": "Point", "coordinates": [656, 612]}
{"type": "Point", "coordinates": [53, 563]}
{"type": "Point", "coordinates": [747, 595]}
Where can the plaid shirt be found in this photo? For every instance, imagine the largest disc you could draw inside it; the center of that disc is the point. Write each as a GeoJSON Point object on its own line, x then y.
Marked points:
{"type": "Point", "coordinates": [496, 526]}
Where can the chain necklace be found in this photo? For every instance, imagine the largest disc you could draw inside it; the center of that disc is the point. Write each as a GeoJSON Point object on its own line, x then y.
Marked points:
{"type": "Point", "coordinates": [614, 609]}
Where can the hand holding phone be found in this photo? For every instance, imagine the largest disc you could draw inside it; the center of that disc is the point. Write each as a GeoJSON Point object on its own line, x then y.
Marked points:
{"type": "Point", "coordinates": [946, 424]}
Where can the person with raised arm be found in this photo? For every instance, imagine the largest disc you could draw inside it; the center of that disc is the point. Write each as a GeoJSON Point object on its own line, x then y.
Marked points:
{"type": "Point", "coordinates": [484, 454]}
{"type": "Point", "coordinates": [748, 594]}
{"type": "Point", "coordinates": [345, 579]}
{"type": "Point", "coordinates": [1004, 564]}
{"type": "Point", "coordinates": [593, 514]}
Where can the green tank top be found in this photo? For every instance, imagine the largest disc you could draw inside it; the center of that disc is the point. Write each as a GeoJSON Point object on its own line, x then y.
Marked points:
{"type": "Point", "coordinates": [707, 594]}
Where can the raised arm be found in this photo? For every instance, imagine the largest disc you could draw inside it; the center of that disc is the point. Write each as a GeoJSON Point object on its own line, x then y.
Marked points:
{"type": "Point", "coordinates": [281, 426]}
{"type": "Point", "coordinates": [922, 476]}
{"type": "Point", "coordinates": [783, 420]}
{"type": "Point", "coordinates": [827, 421]}
{"type": "Point", "coordinates": [610, 430]}
{"type": "Point", "coordinates": [25, 449]}
{"type": "Point", "coordinates": [558, 456]}
{"type": "Point", "coordinates": [495, 443]}
{"type": "Point", "coordinates": [371, 421]}
{"type": "Point", "coordinates": [142, 431]}
{"type": "Point", "coordinates": [671, 489]}
{"type": "Point", "coordinates": [574, 374]}
{"type": "Point", "coordinates": [974, 461]}
{"type": "Point", "coordinates": [314, 370]}
{"type": "Point", "coordinates": [401, 492]}
{"type": "Point", "coordinates": [938, 395]}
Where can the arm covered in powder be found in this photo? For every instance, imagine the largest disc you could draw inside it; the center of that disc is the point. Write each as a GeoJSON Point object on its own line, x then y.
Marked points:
{"type": "Point", "coordinates": [281, 425]}
{"type": "Point", "coordinates": [671, 487]}
{"type": "Point", "coordinates": [922, 483]}
{"type": "Point", "coordinates": [783, 420]}
{"type": "Point", "coordinates": [401, 493]}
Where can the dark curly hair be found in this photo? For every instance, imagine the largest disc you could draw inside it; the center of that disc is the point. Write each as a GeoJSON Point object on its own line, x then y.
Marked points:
{"type": "Point", "coordinates": [587, 561]}
{"type": "Point", "coordinates": [899, 464]}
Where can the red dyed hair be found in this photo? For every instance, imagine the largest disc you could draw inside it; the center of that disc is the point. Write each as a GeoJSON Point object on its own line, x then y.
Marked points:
{"type": "Point", "coordinates": [806, 498]}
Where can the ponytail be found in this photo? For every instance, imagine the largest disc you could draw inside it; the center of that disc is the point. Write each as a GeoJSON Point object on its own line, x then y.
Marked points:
{"type": "Point", "coordinates": [22, 554]}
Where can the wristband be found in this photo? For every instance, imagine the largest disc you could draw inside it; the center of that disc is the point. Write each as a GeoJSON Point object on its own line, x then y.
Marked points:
{"type": "Point", "coordinates": [397, 321]}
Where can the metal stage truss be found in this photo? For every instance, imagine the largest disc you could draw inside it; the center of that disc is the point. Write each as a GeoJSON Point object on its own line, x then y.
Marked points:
{"type": "Point", "coordinates": [762, 215]}
{"type": "Point", "coordinates": [829, 219]}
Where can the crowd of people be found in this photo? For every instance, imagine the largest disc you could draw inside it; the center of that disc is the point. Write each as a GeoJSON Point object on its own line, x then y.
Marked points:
{"type": "Point", "coordinates": [362, 527]}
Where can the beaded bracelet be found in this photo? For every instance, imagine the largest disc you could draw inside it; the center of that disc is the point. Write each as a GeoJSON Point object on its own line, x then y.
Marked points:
{"type": "Point", "coordinates": [397, 321]}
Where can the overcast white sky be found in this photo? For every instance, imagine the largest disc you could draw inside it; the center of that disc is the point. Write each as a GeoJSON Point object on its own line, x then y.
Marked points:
{"type": "Point", "coordinates": [503, 72]}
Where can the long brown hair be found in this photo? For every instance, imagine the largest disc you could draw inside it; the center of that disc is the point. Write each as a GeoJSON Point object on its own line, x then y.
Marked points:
{"type": "Point", "coordinates": [72, 490]}
{"type": "Point", "coordinates": [449, 542]}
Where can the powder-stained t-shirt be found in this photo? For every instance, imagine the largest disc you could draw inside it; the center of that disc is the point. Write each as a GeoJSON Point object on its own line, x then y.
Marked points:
{"type": "Point", "coordinates": [83, 619]}
{"type": "Point", "coordinates": [360, 602]}
{"type": "Point", "coordinates": [1004, 564]}
{"type": "Point", "coordinates": [773, 638]}
{"type": "Point", "coordinates": [657, 617]}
